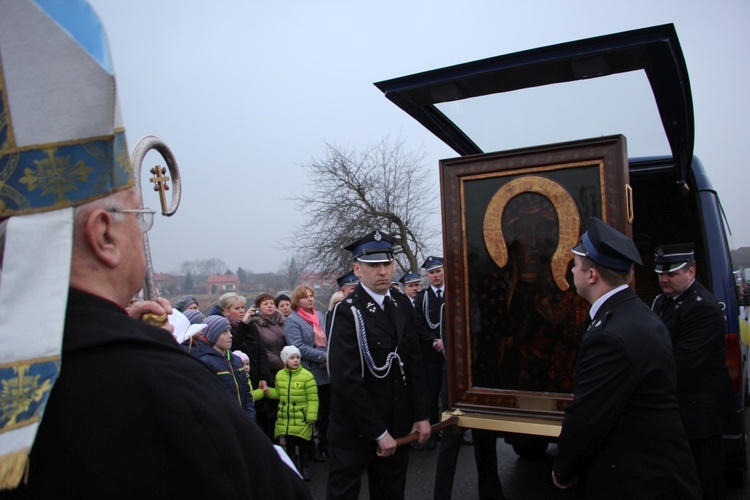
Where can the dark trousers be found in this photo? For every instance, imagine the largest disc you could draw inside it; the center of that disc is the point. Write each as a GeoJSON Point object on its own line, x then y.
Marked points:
{"type": "Point", "coordinates": [266, 416]}
{"type": "Point", "coordinates": [434, 371]}
{"type": "Point", "coordinates": [485, 456]}
{"type": "Point", "coordinates": [296, 448]}
{"type": "Point", "coordinates": [709, 460]}
{"type": "Point", "coordinates": [386, 477]}
{"type": "Point", "coordinates": [324, 410]}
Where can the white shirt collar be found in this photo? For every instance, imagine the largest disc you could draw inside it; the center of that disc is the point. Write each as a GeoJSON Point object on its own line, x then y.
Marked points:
{"type": "Point", "coordinates": [596, 305]}
{"type": "Point", "coordinates": [434, 290]}
{"type": "Point", "coordinates": [376, 296]}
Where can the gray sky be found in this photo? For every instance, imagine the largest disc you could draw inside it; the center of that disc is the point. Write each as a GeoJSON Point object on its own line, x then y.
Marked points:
{"type": "Point", "coordinates": [245, 92]}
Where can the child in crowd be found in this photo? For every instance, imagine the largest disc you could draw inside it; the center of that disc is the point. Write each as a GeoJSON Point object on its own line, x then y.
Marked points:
{"type": "Point", "coordinates": [188, 328]}
{"type": "Point", "coordinates": [257, 393]}
{"type": "Point", "coordinates": [297, 393]}
{"type": "Point", "coordinates": [214, 350]}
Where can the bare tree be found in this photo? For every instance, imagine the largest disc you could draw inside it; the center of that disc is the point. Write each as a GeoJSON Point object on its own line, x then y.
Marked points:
{"type": "Point", "coordinates": [352, 193]}
{"type": "Point", "coordinates": [203, 267]}
{"type": "Point", "coordinates": [292, 269]}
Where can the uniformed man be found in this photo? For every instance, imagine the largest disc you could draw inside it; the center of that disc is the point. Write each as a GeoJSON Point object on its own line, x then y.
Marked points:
{"type": "Point", "coordinates": [377, 379]}
{"type": "Point", "coordinates": [697, 326]}
{"type": "Point", "coordinates": [621, 436]}
{"type": "Point", "coordinates": [347, 282]}
{"type": "Point", "coordinates": [430, 303]}
{"type": "Point", "coordinates": [411, 285]}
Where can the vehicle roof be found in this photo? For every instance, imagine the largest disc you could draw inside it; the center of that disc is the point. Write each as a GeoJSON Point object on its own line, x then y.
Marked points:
{"type": "Point", "coordinates": [655, 50]}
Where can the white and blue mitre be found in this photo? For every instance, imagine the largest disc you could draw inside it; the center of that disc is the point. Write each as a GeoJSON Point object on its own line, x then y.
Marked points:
{"type": "Point", "coordinates": [61, 145]}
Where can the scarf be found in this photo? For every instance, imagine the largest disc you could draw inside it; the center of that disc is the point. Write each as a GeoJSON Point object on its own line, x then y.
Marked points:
{"type": "Point", "coordinates": [312, 318]}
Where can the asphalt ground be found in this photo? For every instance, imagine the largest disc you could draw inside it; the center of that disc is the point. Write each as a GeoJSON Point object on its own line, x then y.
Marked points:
{"type": "Point", "coordinates": [522, 479]}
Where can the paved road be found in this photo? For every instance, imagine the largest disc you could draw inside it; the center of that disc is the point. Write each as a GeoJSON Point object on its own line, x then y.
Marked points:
{"type": "Point", "coordinates": [522, 479]}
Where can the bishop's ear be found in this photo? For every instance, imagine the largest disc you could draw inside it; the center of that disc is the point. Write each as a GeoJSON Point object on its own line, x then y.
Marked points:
{"type": "Point", "coordinates": [103, 235]}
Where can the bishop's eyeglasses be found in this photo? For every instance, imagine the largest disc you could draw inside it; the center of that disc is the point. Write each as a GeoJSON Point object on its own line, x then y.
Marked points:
{"type": "Point", "coordinates": [143, 216]}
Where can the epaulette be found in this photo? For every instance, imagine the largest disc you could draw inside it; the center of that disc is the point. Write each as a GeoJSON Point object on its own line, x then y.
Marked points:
{"type": "Point", "coordinates": [599, 322]}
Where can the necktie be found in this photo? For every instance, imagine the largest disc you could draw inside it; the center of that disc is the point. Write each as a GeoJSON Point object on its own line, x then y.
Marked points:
{"type": "Point", "coordinates": [389, 309]}
{"type": "Point", "coordinates": [439, 294]}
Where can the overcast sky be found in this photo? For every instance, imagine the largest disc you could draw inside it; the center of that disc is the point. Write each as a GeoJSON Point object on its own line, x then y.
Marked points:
{"type": "Point", "coordinates": [245, 92]}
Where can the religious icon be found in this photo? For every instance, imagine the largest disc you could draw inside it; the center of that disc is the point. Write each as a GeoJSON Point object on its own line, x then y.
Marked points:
{"type": "Point", "coordinates": [514, 319]}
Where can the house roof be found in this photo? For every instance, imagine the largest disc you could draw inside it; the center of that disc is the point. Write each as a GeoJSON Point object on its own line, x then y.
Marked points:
{"type": "Point", "coordinates": [223, 278]}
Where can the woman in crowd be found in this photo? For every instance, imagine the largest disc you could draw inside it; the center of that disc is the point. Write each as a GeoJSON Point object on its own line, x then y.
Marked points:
{"type": "Point", "coordinates": [305, 329]}
{"type": "Point", "coordinates": [186, 302]}
{"type": "Point", "coordinates": [284, 304]}
{"type": "Point", "coordinates": [232, 307]}
{"type": "Point", "coordinates": [269, 327]}
{"type": "Point", "coordinates": [213, 350]}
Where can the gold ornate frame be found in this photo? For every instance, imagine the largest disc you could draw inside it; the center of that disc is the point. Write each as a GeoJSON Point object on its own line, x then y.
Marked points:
{"type": "Point", "coordinates": [489, 298]}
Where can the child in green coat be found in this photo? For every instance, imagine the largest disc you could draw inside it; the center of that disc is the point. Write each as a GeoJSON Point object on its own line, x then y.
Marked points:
{"type": "Point", "coordinates": [297, 393]}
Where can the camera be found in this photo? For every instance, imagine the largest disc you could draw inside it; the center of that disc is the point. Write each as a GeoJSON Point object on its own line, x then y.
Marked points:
{"type": "Point", "coordinates": [256, 312]}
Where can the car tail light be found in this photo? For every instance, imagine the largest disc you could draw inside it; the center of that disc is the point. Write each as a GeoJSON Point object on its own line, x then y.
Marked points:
{"type": "Point", "coordinates": [734, 361]}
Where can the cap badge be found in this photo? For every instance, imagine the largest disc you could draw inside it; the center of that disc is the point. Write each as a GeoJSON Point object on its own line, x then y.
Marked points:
{"type": "Point", "coordinates": [377, 236]}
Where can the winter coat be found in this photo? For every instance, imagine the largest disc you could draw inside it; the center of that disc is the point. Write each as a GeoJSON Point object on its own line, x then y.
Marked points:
{"type": "Point", "coordinates": [231, 373]}
{"type": "Point", "coordinates": [299, 333]}
{"type": "Point", "coordinates": [271, 332]}
{"type": "Point", "coordinates": [297, 393]}
{"type": "Point", "coordinates": [247, 340]}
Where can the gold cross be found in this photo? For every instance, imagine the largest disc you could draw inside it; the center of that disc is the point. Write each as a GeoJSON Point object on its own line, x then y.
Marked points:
{"type": "Point", "coordinates": [160, 180]}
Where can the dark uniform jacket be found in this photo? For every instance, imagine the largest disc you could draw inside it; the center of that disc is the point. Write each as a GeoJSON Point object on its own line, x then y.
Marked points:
{"type": "Point", "coordinates": [362, 405]}
{"type": "Point", "coordinates": [435, 312]}
{"type": "Point", "coordinates": [132, 415]}
{"type": "Point", "coordinates": [697, 326]}
{"type": "Point", "coordinates": [622, 433]}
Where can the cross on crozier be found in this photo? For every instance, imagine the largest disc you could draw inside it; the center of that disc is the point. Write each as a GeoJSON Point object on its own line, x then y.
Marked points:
{"type": "Point", "coordinates": [160, 180]}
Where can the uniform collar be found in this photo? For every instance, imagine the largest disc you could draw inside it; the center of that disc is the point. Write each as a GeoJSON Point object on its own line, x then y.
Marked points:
{"type": "Point", "coordinates": [601, 300]}
{"type": "Point", "coordinates": [376, 296]}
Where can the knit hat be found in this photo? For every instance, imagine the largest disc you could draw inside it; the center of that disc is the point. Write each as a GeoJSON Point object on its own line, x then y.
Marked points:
{"type": "Point", "coordinates": [216, 326]}
{"type": "Point", "coordinates": [194, 316]}
{"type": "Point", "coordinates": [241, 355]}
{"type": "Point", "coordinates": [287, 351]}
{"type": "Point", "coordinates": [184, 302]}
{"type": "Point", "coordinates": [183, 329]}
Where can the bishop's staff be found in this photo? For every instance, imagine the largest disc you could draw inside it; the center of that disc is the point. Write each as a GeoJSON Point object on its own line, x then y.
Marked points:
{"type": "Point", "coordinates": [160, 180]}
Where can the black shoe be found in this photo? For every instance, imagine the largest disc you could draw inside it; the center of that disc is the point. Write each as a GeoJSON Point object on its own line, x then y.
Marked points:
{"type": "Point", "coordinates": [317, 456]}
{"type": "Point", "coordinates": [305, 473]}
